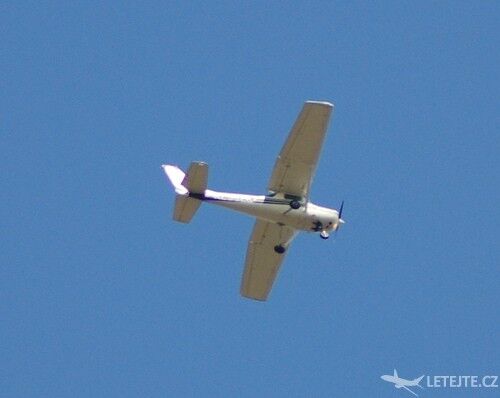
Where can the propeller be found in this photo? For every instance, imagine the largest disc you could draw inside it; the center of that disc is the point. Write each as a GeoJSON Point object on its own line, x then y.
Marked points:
{"type": "Point", "coordinates": [324, 234]}
{"type": "Point", "coordinates": [340, 217]}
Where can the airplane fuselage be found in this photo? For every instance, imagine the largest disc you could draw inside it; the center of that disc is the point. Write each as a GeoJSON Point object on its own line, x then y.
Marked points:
{"type": "Point", "coordinates": [276, 208]}
{"type": "Point", "coordinates": [398, 381]}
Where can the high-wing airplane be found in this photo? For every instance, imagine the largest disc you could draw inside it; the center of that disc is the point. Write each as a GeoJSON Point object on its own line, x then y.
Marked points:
{"type": "Point", "coordinates": [281, 213]}
{"type": "Point", "coordinates": [402, 383]}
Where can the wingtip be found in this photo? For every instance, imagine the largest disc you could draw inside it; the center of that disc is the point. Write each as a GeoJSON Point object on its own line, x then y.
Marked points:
{"type": "Point", "coordinates": [258, 299]}
{"type": "Point", "coordinates": [324, 103]}
{"type": "Point", "coordinates": [248, 295]}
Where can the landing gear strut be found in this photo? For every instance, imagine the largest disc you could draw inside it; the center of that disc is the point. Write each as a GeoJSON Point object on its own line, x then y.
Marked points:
{"type": "Point", "coordinates": [295, 204]}
{"type": "Point", "coordinates": [279, 249]}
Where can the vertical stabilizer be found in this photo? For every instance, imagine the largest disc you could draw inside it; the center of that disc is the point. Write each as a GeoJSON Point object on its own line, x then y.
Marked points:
{"type": "Point", "coordinates": [176, 177]}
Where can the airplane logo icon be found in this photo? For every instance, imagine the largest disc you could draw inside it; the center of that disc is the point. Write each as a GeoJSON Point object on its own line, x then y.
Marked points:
{"type": "Point", "coordinates": [402, 383]}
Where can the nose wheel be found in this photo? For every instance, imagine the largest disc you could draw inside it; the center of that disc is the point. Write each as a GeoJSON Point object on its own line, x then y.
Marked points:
{"type": "Point", "coordinates": [295, 204]}
{"type": "Point", "coordinates": [324, 235]}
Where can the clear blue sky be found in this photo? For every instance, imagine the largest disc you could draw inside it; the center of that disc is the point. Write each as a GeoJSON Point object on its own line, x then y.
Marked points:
{"type": "Point", "coordinates": [103, 295]}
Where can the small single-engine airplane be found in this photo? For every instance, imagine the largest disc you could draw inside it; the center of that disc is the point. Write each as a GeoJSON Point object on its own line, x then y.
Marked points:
{"type": "Point", "coordinates": [402, 383]}
{"type": "Point", "coordinates": [281, 213]}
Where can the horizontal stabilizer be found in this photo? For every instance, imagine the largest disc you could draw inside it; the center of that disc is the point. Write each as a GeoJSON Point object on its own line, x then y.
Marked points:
{"type": "Point", "coordinates": [185, 207]}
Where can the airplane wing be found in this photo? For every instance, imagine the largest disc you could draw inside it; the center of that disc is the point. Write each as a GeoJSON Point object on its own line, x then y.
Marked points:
{"type": "Point", "coordinates": [406, 388]}
{"type": "Point", "coordinates": [296, 163]}
{"type": "Point", "coordinates": [262, 262]}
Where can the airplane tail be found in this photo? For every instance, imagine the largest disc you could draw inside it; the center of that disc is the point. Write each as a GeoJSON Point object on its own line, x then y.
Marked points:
{"type": "Point", "coordinates": [186, 186]}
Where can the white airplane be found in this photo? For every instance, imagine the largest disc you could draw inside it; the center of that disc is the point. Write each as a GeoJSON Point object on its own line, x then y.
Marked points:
{"type": "Point", "coordinates": [402, 383]}
{"type": "Point", "coordinates": [281, 213]}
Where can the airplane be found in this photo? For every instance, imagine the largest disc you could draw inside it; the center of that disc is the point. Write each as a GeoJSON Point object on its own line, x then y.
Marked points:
{"type": "Point", "coordinates": [280, 214]}
{"type": "Point", "coordinates": [403, 383]}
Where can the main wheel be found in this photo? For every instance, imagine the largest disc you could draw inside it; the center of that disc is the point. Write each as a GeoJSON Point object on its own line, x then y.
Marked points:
{"type": "Point", "coordinates": [279, 249]}
{"type": "Point", "coordinates": [324, 235]}
{"type": "Point", "coordinates": [295, 204]}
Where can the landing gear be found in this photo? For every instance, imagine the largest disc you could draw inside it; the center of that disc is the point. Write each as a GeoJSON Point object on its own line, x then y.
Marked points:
{"type": "Point", "coordinates": [295, 204]}
{"type": "Point", "coordinates": [279, 249]}
{"type": "Point", "coordinates": [324, 235]}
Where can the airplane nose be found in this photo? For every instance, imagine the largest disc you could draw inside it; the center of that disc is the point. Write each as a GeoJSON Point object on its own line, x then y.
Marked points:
{"type": "Point", "coordinates": [338, 223]}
